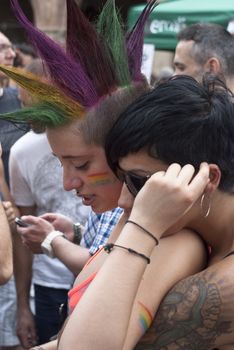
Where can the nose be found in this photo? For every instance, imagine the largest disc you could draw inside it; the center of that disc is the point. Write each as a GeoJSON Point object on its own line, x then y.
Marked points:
{"type": "Point", "coordinates": [10, 53]}
{"type": "Point", "coordinates": [71, 181]}
{"type": "Point", "coordinates": [126, 199]}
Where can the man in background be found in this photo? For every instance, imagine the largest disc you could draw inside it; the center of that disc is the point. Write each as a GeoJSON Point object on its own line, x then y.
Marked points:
{"type": "Point", "coordinates": [205, 48]}
{"type": "Point", "coordinates": [9, 102]}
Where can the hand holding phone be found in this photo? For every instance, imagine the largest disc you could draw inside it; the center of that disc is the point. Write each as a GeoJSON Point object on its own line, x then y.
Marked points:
{"type": "Point", "coordinates": [21, 223]}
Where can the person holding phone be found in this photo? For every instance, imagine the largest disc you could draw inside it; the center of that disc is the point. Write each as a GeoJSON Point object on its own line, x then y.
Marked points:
{"type": "Point", "coordinates": [36, 186]}
{"type": "Point", "coordinates": [20, 222]}
{"type": "Point", "coordinates": [84, 115]}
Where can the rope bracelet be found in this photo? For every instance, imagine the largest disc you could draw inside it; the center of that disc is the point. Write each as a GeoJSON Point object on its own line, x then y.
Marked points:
{"type": "Point", "coordinates": [108, 247]}
{"type": "Point", "coordinates": [143, 229]}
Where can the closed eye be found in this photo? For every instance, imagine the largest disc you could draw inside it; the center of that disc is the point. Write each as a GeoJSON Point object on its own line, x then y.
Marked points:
{"type": "Point", "coordinates": [83, 166]}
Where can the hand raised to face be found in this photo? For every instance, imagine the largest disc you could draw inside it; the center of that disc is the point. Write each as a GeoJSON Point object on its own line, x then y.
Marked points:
{"type": "Point", "coordinates": [168, 195]}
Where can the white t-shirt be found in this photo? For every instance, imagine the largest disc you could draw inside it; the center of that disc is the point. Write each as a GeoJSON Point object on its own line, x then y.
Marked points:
{"type": "Point", "coordinates": [36, 179]}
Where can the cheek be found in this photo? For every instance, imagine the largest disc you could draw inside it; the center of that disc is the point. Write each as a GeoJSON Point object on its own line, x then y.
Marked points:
{"type": "Point", "coordinates": [107, 197]}
{"type": "Point", "coordinates": [101, 178]}
{"type": "Point", "coordinates": [126, 200]}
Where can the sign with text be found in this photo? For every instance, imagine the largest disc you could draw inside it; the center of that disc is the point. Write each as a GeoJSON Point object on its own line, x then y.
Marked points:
{"type": "Point", "coordinates": [148, 60]}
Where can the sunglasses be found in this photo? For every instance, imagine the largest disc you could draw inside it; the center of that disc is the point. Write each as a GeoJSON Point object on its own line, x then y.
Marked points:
{"type": "Point", "coordinates": [133, 182]}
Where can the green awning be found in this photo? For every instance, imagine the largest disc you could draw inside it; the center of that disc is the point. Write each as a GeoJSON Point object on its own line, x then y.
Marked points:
{"type": "Point", "coordinates": [170, 17]}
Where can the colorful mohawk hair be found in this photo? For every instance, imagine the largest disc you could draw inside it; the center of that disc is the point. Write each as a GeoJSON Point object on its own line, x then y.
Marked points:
{"type": "Point", "coordinates": [97, 61]}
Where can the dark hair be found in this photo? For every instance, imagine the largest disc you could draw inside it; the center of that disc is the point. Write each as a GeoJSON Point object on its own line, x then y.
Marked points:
{"type": "Point", "coordinates": [36, 67]}
{"type": "Point", "coordinates": [211, 40]}
{"type": "Point", "coordinates": [179, 121]}
{"type": "Point", "coordinates": [26, 49]}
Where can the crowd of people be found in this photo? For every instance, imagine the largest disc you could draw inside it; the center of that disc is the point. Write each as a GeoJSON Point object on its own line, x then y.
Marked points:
{"type": "Point", "coordinates": [124, 190]}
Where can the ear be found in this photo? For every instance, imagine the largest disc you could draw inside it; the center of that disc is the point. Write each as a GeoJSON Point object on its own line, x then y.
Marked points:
{"type": "Point", "coordinates": [215, 177]}
{"type": "Point", "coordinates": [213, 65]}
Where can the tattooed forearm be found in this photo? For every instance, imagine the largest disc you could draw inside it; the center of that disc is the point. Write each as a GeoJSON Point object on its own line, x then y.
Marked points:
{"type": "Point", "coordinates": [191, 316]}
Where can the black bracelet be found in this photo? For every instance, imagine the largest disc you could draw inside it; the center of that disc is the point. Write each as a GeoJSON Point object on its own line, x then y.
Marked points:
{"type": "Point", "coordinates": [109, 246]}
{"type": "Point", "coordinates": [143, 229]}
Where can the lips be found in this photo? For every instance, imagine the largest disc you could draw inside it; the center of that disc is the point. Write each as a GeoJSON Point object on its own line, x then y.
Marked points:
{"type": "Point", "coordinates": [87, 200]}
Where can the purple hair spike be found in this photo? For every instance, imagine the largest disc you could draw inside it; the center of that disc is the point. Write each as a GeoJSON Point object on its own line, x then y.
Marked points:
{"type": "Point", "coordinates": [135, 40]}
{"type": "Point", "coordinates": [66, 73]}
{"type": "Point", "coordinates": [81, 39]}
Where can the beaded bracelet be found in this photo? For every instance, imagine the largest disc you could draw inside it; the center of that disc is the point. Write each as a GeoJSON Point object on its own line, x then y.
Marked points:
{"type": "Point", "coordinates": [108, 247]}
{"type": "Point", "coordinates": [143, 229]}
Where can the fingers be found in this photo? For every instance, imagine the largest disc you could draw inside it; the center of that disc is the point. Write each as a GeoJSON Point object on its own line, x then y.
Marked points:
{"type": "Point", "coordinates": [201, 180]}
{"type": "Point", "coordinates": [6, 204]}
{"type": "Point", "coordinates": [27, 340]}
{"type": "Point", "coordinates": [172, 171]}
{"type": "Point", "coordinates": [184, 175]}
{"type": "Point", "coordinates": [183, 181]}
{"type": "Point", "coordinates": [50, 217]}
{"type": "Point", "coordinates": [29, 219]}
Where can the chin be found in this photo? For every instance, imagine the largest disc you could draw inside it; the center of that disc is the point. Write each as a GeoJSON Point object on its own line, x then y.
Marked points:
{"type": "Point", "coordinates": [100, 209]}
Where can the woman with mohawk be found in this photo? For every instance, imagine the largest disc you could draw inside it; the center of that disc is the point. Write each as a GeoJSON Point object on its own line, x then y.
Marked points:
{"type": "Point", "coordinates": [90, 85]}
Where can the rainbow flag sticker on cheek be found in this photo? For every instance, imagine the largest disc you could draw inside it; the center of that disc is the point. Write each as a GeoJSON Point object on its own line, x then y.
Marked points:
{"type": "Point", "coordinates": [145, 317]}
{"type": "Point", "coordinates": [101, 179]}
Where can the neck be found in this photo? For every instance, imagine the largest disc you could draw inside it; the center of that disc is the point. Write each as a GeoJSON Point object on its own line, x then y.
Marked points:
{"type": "Point", "coordinates": [118, 228]}
{"type": "Point", "coordinates": [217, 229]}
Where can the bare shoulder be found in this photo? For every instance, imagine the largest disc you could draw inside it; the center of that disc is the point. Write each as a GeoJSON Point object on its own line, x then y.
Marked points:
{"type": "Point", "coordinates": [197, 313]}
{"type": "Point", "coordinates": [185, 249]}
{"type": "Point", "coordinates": [184, 237]}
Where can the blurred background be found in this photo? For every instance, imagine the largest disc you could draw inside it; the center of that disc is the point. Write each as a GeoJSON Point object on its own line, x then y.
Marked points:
{"type": "Point", "coordinates": [49, 15]}
{"type": "Point", "coordinates": [160, 32]}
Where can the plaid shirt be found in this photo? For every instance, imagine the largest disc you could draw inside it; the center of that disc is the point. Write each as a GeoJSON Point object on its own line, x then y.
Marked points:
{"type": "Point", "coordinates": [99, 228]}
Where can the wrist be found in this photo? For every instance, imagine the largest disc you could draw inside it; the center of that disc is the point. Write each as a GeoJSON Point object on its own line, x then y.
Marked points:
{"type": "Point", "coordinates": [147, 226]}
{"type": "Point", "coordinates": [23, 305]}
{"type": "Point", "coordinates": [144, 230]}
{"type": "Point", "coordinates": [46, 245]}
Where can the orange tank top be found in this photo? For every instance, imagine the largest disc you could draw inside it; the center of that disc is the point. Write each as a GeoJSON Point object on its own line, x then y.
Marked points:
{"type": "Point", "coordinates": [75, 294]}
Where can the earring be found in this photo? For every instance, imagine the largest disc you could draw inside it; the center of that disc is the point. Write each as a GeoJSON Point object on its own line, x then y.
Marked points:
{"type": "Point", "coordinates": [205, 209]}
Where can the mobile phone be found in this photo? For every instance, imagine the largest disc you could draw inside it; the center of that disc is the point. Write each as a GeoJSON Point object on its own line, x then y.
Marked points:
{"type": "Point", "coordinates": [21, 223]}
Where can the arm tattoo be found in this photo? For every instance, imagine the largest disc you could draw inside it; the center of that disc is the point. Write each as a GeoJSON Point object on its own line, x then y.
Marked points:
{"type": "Point", "coordinates": [189, 316]}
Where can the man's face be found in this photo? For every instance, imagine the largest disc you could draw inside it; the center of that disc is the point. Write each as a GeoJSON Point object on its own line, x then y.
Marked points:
{"type": "Point", "coordinates": [7, 53]}
{"type": "Point", "coordinates": [184, 62]}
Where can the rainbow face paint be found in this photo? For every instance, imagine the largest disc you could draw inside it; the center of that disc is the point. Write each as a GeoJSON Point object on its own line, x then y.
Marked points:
{"type": "Point", "coordinates": [99, 179]}
{"type": "Point", "coordinates": [145, 317]}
